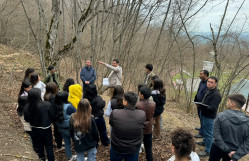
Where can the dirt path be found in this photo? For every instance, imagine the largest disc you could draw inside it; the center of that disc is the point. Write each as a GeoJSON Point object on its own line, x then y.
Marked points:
{"type": "Point", "coordinates": [14, 143]}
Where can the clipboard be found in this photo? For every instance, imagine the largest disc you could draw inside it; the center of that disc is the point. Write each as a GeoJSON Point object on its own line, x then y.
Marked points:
{"type": "Point", "coordinates": [199, 103]}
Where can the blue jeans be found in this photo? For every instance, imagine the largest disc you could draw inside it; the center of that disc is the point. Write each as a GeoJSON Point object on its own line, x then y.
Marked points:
{"type": "Point", "coordinates": [67, 139]}
{"type": "Point", "coordinates": [91, 155]}
{"type": "Point", "coordinates": [114, 156]}
{"type": "Point", "coordinates": [208, 125]}
{"type": "Point", "coordinates": [100, 123]}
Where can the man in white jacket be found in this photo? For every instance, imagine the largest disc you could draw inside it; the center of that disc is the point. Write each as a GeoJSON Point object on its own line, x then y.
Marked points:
{"type": "Point", "coordinates": [115, 77]}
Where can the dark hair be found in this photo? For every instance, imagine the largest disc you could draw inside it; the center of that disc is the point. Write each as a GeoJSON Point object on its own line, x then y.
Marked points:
{"type": "Point", "coordinates": [214, 78]}
{"type": "Point", "coordinates": [118, 93]}
{"type": "Point", "coordinates": [22, 101]}
{"type": "Point", "coordinates": [34, 79]}
{"type": "Point", "coordinates": [205, 72]}
{"type": "Point", "coordinates": [28, 72]}
{"type": "Point", "coordinates": [50, 67]}
{"type": "Point", "coordinates": [25, 84]}
{"type": "Point", "coordinates": [60, 99]}
{"type": "Point", "coordinates": [154, 77]}
{"type": "Point", "coordinates": [183, 142]}
{"type": "Point", "coordinates": [146, 92]}
{"type": "Point", "coordinates": [158, 85]}
{"type": "Point", "coordinates": [131, 98]}
{"type": "Point", "coordinates": [34, 98]}
{"type": "Point", "coordinates": [68, 83]}
{"type": "Point", "coordinates": [149, 66]}
{"type": "Point", "coordinates": [116, 60]}
{"type": "Point", "coordinates": [91, 92]}
{"type": "Point", "coordinates": [238, 99]}
{"type": "Point", "coordinates": [139, 86]}
{"type": "Point", "coordinates": [51, 89]}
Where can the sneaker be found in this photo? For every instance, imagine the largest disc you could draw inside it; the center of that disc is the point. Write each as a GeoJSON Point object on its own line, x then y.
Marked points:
{"type": "Point", "coordinates": [74, 157]}
{"type": "Point", "coordinates": [142, 146]}
{"type": "Point", "coordinates": [203, 154]}
{"type": "Point", "coordinates": [201, 143]}
{"type": "Point", "coordinates": [140, 150]}
{"type": "Point", "coordinates": [198, 136]}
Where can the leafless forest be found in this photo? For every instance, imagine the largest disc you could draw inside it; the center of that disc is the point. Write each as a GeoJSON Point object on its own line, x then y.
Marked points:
{"type": "Point", "coordinates": [162, 32]}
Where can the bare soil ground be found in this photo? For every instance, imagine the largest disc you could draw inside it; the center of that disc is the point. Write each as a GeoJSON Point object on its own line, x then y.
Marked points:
{"type": "Point", "coordinates": [15, 145]}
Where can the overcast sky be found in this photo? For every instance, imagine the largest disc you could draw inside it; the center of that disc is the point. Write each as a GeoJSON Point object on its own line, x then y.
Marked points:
{"type": "Point", "coordinates": [213, 12]}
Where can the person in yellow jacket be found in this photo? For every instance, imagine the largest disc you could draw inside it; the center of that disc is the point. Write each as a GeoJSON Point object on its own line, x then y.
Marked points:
{"type": "Point", "coordinates": [75, 94]}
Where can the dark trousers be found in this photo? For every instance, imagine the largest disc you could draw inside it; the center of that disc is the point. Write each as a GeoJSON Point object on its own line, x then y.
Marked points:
{"type": "Point", "coordinates": [57, 136]}
{"type": "Point", "coordinates": [100, 122]}
{"type": "Point", "coordinates": [198, 112]}
{"type": "Point", "coordinates": [84, 89]}
{"type": "Point", "coordinates": [43, 138]}
{"type": "Point", "coordinates": [216, 154]}
{"type": "Point", "coordinates": [199, 115]}
{"type": "Point", "coordinates": [148, 146]}
{"type": "Point", "coordinates": [114, 156]}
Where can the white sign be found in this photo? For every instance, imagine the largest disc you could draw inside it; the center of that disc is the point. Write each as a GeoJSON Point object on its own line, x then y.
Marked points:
{"type": "Point", "coordinates": [208, 65]}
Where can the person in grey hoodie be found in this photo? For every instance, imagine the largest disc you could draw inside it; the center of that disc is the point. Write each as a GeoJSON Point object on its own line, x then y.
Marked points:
{"type": "Point", "coordinates": [231, 131]}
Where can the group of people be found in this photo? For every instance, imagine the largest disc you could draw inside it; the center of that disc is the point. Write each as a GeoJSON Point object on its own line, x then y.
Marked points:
{"type": "Point", "coordinates": [77, 114]}
{"type": "Point", "coordinates": [226, 134]}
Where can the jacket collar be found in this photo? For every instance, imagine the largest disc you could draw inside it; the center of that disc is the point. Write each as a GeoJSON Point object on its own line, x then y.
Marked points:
{"type": "Point", "coordinates": [212, 90]}
{"type": "Point", "coordinates": [130, 107]}
{"type": "Point", "coordinates": [88, 67]}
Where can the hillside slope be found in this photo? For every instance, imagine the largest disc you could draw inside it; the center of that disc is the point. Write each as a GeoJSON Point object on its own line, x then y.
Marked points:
{"type": "Point", "coordinates": [15, 144]}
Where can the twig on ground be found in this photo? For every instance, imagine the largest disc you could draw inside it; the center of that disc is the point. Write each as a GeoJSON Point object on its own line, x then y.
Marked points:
{"type": "Point", "coordinates": [17, 156]}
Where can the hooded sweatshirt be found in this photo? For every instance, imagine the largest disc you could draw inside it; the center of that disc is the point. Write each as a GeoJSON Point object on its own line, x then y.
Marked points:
{"type": "Point", "coordinates": [231, 133]}
{"type": "Point", "coordinates": [75, 94]}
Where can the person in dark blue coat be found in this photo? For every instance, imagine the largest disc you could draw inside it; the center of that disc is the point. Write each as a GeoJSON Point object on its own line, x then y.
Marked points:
{"type": "Point", "coordinates": [87, 75]}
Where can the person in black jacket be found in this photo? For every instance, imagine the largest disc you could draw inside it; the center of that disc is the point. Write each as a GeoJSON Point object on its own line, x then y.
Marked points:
{"type": "Point", "coordinates": [209, 107]}
{"type": "Point", "coordinates": [231, 131]}
{"type": "Point", "coordinates": [40, 115]}
{"type": "Point", "coordinates": [98, 104]}
{"type": "Point", "coordinates": [159, 97]}
{"type": "Point", "coordinates": [84, 132]}
{"type": "Point", "coordinates": [51, 91]}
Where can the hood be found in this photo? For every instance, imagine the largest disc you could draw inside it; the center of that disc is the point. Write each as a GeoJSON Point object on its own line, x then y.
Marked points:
{"type": "Point", "coordinates": [75, 94]}
{"type": "Point", "coordinates": [236, 117]}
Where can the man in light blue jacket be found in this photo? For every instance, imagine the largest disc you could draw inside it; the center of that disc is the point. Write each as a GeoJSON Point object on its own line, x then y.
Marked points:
{"type": "Point", "coordinates": [87, 75]}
